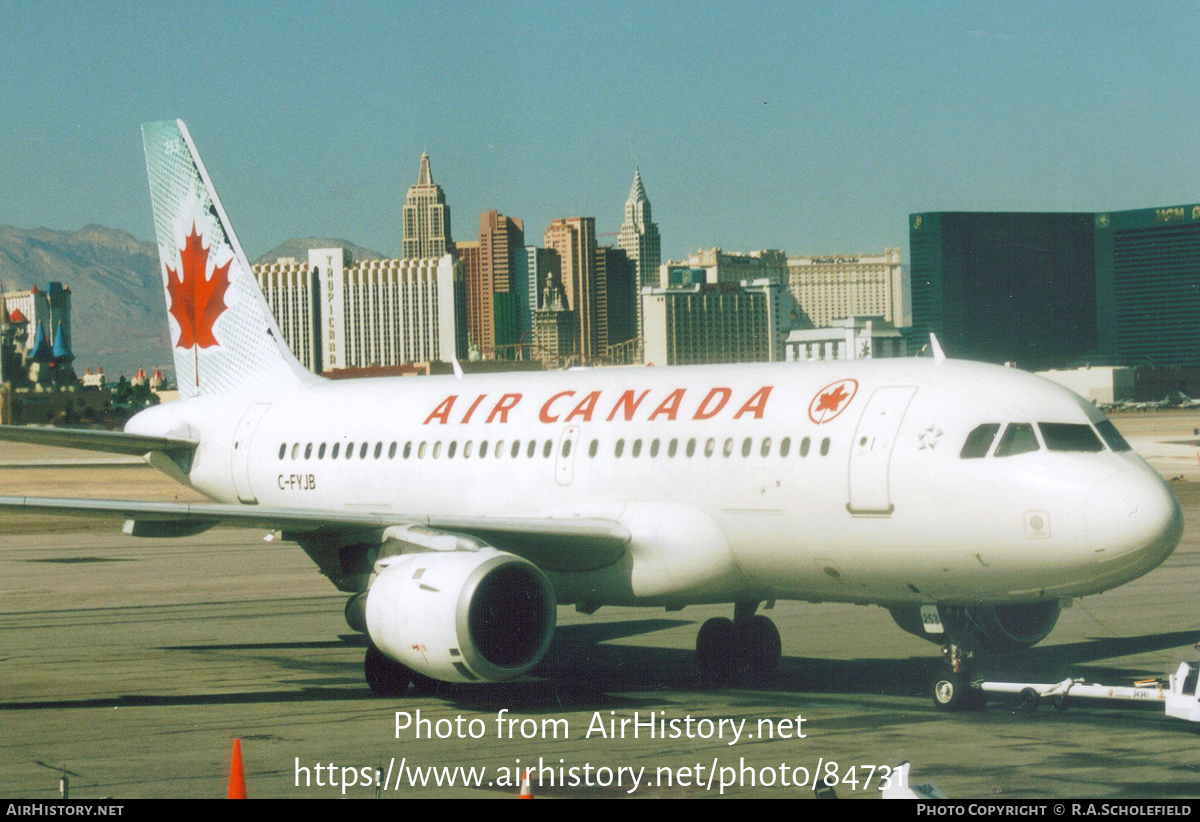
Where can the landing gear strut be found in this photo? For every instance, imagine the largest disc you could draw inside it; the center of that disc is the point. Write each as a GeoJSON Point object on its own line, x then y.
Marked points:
{"type": "Point", "coordinates": [952, 690]}
{"type": "Point", "coordinates": [745, 647]}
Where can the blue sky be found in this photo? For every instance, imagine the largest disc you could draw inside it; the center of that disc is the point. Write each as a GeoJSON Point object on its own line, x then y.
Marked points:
{"type": "Point", "coordinates": [812, 127]}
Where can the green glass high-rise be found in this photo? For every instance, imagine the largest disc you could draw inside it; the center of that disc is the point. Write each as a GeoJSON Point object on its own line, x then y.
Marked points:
{"type": "Point", "coordinates": [1055, 289]}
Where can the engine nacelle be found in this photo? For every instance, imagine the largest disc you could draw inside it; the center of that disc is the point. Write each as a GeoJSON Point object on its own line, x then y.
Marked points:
{"type": "Point", "coordinates": [994, 629]}
{"type": "Point", "coordinates": [461, 616]}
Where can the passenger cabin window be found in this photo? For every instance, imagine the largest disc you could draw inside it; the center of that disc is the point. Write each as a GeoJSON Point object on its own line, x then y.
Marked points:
{"type": "Point", "coordinates": [483, 449]}
{"type": "Point", "coordinates": [333, 454]}
{"type": "Point", "coordinates": [407, 449]}
{"type": "Point", "coordinates": [979, 441]}
{"type": "Point", "coordinates": [362, 452]}
{"type": "Point", "coordinates": [321, 452]}
{"type": "Point", "coordinates": [548, 449]}
{"type": "Point", "coordinates": [1112, 436]}
{"type": "Point", "coordinates": [804, 445]}
{"type": "Point", "coordinates": [451, 449]}
{"type": "Point", "coordinates": [1063, 436]}
{"type": "Point", "coordinates": [378, 449]}
{"type": "Point", "coordinates": [282, 450]}
{"type": "Point", "coordinates": [691, 447]}
{"type": "Point", "coordinates": [1018, 438]}
{"type": "Point", "coordinates": [824, 446]}
{"type": "Point", "coordinates": [595, 446]}
{"type": "Point", "coordinates": [785, 446]}
{"type": "Point", "coordinates": [391, 451]}
{"type": "Point", "coordinates": [619, 448]}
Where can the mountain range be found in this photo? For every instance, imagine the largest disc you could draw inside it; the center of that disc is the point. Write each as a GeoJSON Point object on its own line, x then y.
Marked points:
{"type": "Point", "coordinates": [118, 310]}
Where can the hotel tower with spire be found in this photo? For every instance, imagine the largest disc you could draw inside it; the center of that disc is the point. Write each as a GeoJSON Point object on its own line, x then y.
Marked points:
{"type": "Point", "coordinates": [640, 241]}
{"type": "Point", "coordinates": [426, 218]}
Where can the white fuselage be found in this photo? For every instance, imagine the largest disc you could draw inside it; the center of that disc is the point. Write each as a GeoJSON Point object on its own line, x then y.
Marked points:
{"type": "Point", "coordinates": [871, 502]}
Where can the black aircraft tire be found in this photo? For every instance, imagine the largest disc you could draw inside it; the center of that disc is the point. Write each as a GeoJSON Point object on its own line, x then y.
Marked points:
{"type": "Point", "coordinates": [952, 692]}
{"type": "Point", "coordinates": [385, 676]}
{"type": "Point", "coordinates": [716, 650]}
{"type": "Point", "coordinates": [762, 648]}
{"type": "Point", "coordinates": [424, 685]}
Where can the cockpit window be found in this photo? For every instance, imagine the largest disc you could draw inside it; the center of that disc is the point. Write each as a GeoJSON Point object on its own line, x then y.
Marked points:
{"type": "Point", "coordinates": [1062, 436]}
{"type": "Point", "coordinates": [1018, 438]}
{"type": "Point", "coordinates": [979, 441]}
{"type": "Point", "coordinates": [1112, 436]}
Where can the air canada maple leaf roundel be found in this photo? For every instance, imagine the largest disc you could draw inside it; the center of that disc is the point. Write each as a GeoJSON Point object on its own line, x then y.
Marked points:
{"type": "Point", "coordinates": [197, 300]}
{"type": "Point", "coordinates": [832, 400]}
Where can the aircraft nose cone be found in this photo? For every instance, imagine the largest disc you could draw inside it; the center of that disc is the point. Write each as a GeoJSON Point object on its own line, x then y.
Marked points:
{"type": "Point", "coordinates": [1133, 515]}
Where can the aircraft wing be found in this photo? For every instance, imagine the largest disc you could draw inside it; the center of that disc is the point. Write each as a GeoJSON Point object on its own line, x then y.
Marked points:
{"type": "Point", "coordinates": [595, 542]}
{"type": "Point", "coordinates": [114, 442]}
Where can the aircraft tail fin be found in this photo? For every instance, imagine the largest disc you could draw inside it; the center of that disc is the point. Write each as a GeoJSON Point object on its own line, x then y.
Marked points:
{"type": "Point", "coordinates": [222, 331]}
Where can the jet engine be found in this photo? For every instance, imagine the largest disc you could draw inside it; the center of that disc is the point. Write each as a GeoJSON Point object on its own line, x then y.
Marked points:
{"type": "Point", "coordinates": [461, 616]}
{"type": "Point", "coordinates": [996, 629]}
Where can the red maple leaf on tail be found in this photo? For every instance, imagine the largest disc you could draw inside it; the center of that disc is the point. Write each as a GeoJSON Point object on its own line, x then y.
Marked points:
{"type": "Point", "coordinates": [196, 301]}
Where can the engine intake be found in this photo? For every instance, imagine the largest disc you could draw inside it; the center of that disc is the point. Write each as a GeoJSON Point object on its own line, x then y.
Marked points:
{"type": "Point", "coordinates": [461, 616]}
{"type": "Point", "coordinates": [997, 629]}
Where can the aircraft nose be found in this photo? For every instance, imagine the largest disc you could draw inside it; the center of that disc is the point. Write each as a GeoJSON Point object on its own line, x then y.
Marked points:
{"type": "Point", "coordinates": [1134, 515]}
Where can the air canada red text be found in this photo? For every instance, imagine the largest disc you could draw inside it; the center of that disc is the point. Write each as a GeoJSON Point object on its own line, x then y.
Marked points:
{"type": "Point", "coordinates": [607, 406]}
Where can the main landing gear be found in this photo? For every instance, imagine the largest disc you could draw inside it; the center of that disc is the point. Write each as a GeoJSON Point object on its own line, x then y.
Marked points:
{"type": "Point", "coordinates": [746, 647]}
{"type": "Point", "coordinates": [387, 677]}
{"type": "Point", "coordinates": [953, 689]}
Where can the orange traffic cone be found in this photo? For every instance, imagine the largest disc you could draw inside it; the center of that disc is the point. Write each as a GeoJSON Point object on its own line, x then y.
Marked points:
{"type": "Point", "coordinates": [237, 776]}
{"type": "Point", "coordinates": [526, 791]}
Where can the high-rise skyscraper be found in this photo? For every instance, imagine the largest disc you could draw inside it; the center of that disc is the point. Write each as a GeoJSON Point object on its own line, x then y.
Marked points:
{"type": "Point", "coordinates": [467, 254]}
{"type": "Point", "coordinates": [640, 241]}
{"type": "Point", "coordinates": [616, 295]}
{"type": "Point", "coordinates": [426, 218]}
{"type": "Point", "coordinates": [574, 238]}
{"type": "Point", "coordinates": [493, 294]}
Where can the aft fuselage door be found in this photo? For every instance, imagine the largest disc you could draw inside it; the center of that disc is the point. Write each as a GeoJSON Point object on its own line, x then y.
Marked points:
{"type": "Point", "coordinates": [871, 452]}
{"type": "Point", "coordinates": [241, 450]}
{"type": "Point", "coordinates": [564, 459]}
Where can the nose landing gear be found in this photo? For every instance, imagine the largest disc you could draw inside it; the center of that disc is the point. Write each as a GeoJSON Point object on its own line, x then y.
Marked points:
{"type": "Point", "coordinates": [953, 689]}
{"type": "Point", "coordinates": [745, 648]}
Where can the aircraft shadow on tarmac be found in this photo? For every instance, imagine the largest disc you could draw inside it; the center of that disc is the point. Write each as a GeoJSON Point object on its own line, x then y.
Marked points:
{"type": "Point", "coordinates": [583, 669]}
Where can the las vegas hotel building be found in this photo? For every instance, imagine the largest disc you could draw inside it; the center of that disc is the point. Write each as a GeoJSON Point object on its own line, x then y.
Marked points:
{"type": "Point", "coordinates": [829, 288]}
{"type": "Point", "coordinates": [369, 313]}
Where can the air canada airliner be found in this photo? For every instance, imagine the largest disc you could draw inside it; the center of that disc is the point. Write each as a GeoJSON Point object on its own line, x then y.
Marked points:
{"type": "Point", "coordinates": [970, 500]}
